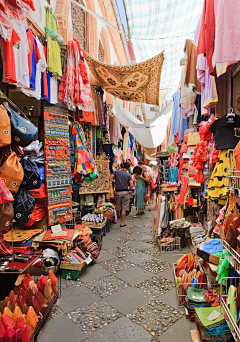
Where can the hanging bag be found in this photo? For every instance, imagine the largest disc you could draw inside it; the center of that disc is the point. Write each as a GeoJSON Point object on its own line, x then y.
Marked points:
{"type": "Point", "coordinates": [32, 179]}
{"type": "Point", "coordinates": [5, 194]}
{"type": "Point", "coordinates": [12, 172]}
{"type": "Point", "coordinates": [23, 130]}
{"type": "Point", "coordinates": [23, 204]}
{"type": "Point", "coordinates": [6, 217]}
{"type": "Point", "coordinates": [5, 128]}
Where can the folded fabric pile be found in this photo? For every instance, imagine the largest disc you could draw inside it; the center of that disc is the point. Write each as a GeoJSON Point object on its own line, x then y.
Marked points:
{"type": "Point", "coordinates": [21, 239]}
{"type": "Point", "coordinates": [211, 324]}
{"type": "Point", "coordinates": [58, 240]}
{"type": "Point", "coordinates": [188, 273]}
{"type": "Point", "coordinates": [200, 298]}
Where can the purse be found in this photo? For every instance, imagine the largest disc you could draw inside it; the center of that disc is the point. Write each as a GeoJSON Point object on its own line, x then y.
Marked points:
{"type": "Point", "coordinates": [23, 130]}
{"type": "Point", "coordinates": [32, 179]}
{"type": "Point", "coordinates": [6, 217]}
{"type": "Point", "coordinates": [5, 194]}
{"type": "Point", "coordinates": [5, 128]}
{"type": "Point", "coordinates": [23, 204]}
{"type": "Point", "coordinates": [12, 172]}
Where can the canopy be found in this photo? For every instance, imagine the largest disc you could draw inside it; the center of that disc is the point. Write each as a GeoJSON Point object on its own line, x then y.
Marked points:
{"type": "Point", "coordinates": [149, 134]}
{"type": "Point", "coordinates": [162, 25]}
{"type": "Point", "coordinates": [137, 82]}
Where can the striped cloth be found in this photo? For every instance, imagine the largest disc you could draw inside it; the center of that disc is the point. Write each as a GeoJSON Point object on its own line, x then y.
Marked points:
{"type": "Point", "coordinates": [174, 20]}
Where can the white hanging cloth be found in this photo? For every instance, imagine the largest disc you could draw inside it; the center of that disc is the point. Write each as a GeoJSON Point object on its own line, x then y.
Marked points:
{"type": "Point", "coordinates": [149, 134]}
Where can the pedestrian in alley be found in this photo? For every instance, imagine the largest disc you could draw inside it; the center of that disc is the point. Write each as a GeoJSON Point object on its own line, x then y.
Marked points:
{"type": "Point", "coordinates": [140, 189]}
{"type": "Point", "coordinates": [123, 183]}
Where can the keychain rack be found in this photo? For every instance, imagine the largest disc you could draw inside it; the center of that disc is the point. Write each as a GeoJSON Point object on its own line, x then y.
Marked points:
{"type": "Point", "coordinates": [57, 165]}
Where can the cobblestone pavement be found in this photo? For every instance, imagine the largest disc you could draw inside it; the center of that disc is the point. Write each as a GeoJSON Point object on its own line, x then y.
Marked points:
{"type": "Point", "coordinates": [128, 296]}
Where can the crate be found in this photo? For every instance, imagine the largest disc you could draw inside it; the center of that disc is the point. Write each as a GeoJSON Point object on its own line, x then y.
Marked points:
{"type": "Point", "coordinates": [172, 245]}
{"type": "Point", "coordinates": [72, 274]}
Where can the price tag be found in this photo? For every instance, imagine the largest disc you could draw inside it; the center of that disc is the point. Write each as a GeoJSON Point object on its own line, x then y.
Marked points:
{"type": "Point", "coordinates": [88, 260]}
{"type": "Point", "coordinates": [56, 229]}
{"type": "Point", "coordinates": [214, 315]}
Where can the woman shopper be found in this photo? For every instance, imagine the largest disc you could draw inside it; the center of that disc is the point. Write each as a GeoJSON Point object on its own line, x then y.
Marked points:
{"type": "Point", "coordinates": [141, 177]}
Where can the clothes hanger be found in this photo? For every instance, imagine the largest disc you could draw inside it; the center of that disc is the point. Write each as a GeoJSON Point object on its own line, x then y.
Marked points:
{"type": "Point", "coordinates": [230, 116]}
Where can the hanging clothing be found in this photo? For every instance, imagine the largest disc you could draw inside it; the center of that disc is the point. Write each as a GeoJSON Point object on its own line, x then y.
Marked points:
{"type": "Point", "coordinates": [227, 36]}
{"type": "Point", "coordinates": [176, 112]}
{"type": "Point", "coordinates": [41, 67]}
{"type": "Point", "coordinates": [183, 126]}
{"type": "Point", "coordinates": [33, 58]}
{"type": "Point", "coordinates": [118, 156]}
{"type": "Point", "coordinates": [8, 59]}
{"type": "Point", "coordinates": [218, 185]}
{"type": "Point", "coordinates": [20, 55]}
{"type": "Point", "coordinates": [207, 34]}
{"type": "Point", "coordinates": [53, 47]}
{"type": "Point", "coordinates": [190, 64]}
{"type": "Point", "coordinates": [188, 97]}
{"type": "Point", "coordinates": [209, 94]}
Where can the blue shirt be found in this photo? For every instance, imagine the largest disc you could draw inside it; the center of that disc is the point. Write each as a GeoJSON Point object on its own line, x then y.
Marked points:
{"type": "Point", "coordinates": [176, 112]}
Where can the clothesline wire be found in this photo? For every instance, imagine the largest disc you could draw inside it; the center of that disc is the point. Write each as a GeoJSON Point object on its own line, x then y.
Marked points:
{"type": "Point", "coordinates": [160, 38]}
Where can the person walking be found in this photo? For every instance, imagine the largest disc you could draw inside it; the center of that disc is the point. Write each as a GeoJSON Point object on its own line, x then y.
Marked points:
{"type": "Point", "coordinates": [123, 183]}
{"type": "Point", "coordinates": [141, 177]}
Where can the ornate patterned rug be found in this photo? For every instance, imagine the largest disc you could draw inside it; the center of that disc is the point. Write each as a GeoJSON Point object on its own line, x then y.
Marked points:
{"type": "Point", "coordinates": [138, 82]}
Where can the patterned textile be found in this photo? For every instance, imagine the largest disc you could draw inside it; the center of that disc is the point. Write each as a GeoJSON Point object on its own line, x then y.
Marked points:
{"type": "Point", "coordinates": [84, 163]}
{"type": "Point", "coordinates": [20, 235]}
{"type": "Point", "coordinates": [137, 82]}
{"type": "Point", "coordinates": [164, 25]}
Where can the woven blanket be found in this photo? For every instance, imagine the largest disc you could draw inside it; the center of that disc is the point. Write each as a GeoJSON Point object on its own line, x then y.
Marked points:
{"type": "Point", "coordinates": [138, 82]}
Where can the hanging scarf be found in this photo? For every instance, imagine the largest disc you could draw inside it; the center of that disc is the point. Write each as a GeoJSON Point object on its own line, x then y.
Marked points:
{"type": "Point", "coordinates": [84, 163]}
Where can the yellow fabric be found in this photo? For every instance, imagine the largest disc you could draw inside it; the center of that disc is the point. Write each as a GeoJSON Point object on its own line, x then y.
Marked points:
{"type": "Point", "coordinates": [53, 48]}
{"type": "Point", "coordinates": [20, 235]}
{"type": "Point", "coordinates": [138, 82]}
{"type": "Point", "coordinates": [219, 183]}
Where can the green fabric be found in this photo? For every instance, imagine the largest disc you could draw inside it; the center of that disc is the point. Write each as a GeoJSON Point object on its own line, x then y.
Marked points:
{"type": "Point", "coordinates": [232, 304]}
{"type": "Point", "coordinates": [139, 193]}
{"type": "Point", "coordinates": [203, 314]}
{"type": "Point", "coordinates": [196, 295]}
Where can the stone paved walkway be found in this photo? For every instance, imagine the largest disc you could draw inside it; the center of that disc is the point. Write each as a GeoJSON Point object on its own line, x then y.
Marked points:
{"type": "Point", "coordinates": [128, 296]}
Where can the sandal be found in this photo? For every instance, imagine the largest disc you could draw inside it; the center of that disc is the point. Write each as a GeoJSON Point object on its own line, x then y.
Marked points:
{"type": "Point", "coordinates": [124, 225]}
{"type": "Point", "coordinates": [138, 214]}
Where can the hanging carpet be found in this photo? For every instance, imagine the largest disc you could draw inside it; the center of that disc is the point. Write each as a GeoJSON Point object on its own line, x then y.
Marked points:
{"type": "Point", "coordinates": [138, 82]}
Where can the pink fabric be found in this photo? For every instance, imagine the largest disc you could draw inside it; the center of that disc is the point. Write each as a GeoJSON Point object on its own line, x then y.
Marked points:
{"type": "Point", "coordinates": [118, 155]}
{"type": "Point", "coordinates": [227, 36]}
{"type": "Point", "coordinates": [209, 92]}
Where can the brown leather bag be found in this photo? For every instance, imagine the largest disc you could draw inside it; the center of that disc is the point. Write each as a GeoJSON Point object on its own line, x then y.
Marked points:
{"type": "Point", "coordinates": [5, 128]}
{"type": "Point", "coordinates": [6, 217]}
{"type": "Point", "coordinates": [12, 172]}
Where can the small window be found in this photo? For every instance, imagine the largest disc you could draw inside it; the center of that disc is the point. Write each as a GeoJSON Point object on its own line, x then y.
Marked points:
{"type": "Point", "coordinates": [80, 25]}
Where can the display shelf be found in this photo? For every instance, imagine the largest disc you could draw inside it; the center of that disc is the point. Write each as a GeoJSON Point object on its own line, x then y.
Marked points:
{"type": "Point", "coordinates": [94, 192]}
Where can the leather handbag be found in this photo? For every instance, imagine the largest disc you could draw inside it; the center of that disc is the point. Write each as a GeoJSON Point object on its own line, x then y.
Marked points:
{"type": "Point", "coordinates": [31, 179]}
{"type": "Point", "coordinates": [12, 172]}
{"type": "Point", "coordinates": [23, 130]}
{"type": "Point", "coordinates": [23, 204]}
{"type": "Point", "coordinates": [6, 217]}
{"type": "Point", "coordinates": [5, 128]}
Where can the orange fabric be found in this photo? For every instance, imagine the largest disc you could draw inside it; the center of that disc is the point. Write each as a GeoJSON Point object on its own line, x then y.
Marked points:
{"type": "Point", "coordinates": [10, 71]}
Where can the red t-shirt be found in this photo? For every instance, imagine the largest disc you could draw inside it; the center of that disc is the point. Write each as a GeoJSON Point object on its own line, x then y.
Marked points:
{"type": "Point", "coordinates": [10, 71]}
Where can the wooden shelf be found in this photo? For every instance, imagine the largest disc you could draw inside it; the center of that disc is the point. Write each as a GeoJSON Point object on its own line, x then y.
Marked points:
{"type": "Point", "coordinates": [94, 192]}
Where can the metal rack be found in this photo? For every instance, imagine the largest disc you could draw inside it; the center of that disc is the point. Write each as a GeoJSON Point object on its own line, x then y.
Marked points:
{"type": "Point", "coordinates": [232, 175]}
{"type": "Point", "coordinates": [230, 321]}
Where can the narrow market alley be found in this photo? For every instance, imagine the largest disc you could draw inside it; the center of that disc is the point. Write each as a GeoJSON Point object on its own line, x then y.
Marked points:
{"type": "Point", "coordinates": [129, 295]}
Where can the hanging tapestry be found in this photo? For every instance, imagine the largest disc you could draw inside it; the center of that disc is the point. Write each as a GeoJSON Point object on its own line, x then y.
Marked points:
{"type": "Point", "coordinates": [138, 82]}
